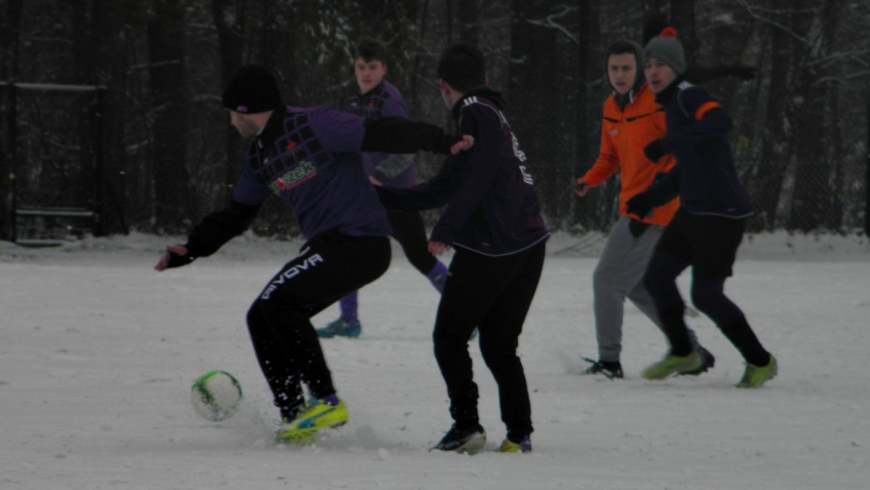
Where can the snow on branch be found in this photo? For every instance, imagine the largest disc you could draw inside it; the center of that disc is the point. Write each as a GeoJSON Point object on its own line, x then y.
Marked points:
{"type": "Point", "coordinates": [550, 22]}
{"type": "Point", "coordinates": [754, 13]}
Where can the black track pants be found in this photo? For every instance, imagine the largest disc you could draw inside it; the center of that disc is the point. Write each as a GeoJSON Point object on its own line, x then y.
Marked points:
{"type": "Point", "coordinates": [494, 295]}
{"type": "Point", "coordinates": [287, 347]}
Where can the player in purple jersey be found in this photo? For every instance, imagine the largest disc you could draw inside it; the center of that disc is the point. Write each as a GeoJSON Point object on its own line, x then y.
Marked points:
{"type": "Point", "coordinates": [310, 158]}
{"type": "Point", "coordinates": [379, 98]}
{"type": "Point", "coordinates": [493, 220]}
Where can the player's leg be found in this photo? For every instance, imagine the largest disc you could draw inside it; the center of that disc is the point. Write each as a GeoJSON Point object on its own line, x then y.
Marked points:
{"type": "Point", "coordinates": [499, 339]}
{"type": "Point", "coordinates": [717, 243]}
{"type": "Point", "coordinates": [347, 324]}
{"type": "Point", "coordinates": [464, 302]}
{"type": "Point", "coordinates": [280, 373]}
{"type": "Point", "coordinates": [616, 273]}
{"type": "Point", "coordinates": [328, 268]}
{"type": "Point", "coordinates": [410, 232]}
{"type": "Point", "coordinates": [636, 262]}
{"type": "Point", "coordinates": [672, 255]}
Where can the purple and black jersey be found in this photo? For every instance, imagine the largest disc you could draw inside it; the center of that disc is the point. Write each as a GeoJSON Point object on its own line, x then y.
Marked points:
{"type": "Point", "coordinates": [310, 158]}
{"type": "Point", "coordinates": [384, 101]}
{"type": "Point", "coordinates": [492, 207]}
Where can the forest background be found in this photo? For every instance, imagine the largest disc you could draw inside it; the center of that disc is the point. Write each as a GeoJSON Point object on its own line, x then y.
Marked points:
{"type": "Point", "coordinates": [152, 148]}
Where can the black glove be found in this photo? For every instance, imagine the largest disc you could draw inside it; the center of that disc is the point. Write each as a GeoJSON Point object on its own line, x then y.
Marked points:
{"type": "Point", "coordinates": [176, 260]}
{"type": "Point", "coordinates": [193, 251]}
{"type": "Point", "coordinates": [636, 228]}
{"type": "Point", "coordinates": [654, 150]}
{"type": "Point", "coordinates": [640, 205]}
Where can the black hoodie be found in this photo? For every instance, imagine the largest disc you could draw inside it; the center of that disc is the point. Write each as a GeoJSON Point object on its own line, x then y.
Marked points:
{"type": "Point", "coordinates": [492, 207]}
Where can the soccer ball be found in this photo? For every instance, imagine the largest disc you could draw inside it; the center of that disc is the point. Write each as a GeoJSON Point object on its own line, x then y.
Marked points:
{"type": "Point", "coordinates": [216, 395]}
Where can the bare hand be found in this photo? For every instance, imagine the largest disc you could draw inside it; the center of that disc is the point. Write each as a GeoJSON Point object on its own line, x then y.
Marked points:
{"type": "Point", "coordinates": [466, 143]}
{"type": "Point", "coordinates": [581, 187]}
{"type": "Point", "coordinates": [374, 181]}
{"type": "Point", "coordinates": [163, 264]}
{"type": "Point", "coordinates": [438, 248]}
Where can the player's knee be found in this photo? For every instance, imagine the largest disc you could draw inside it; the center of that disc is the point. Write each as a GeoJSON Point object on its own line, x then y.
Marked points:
{"type": "Point", "coordinates": [496, 355]}
{"type": "Point", "coordinates": [707, 296]}
{"type": "Point", "coordinates": [255, 319]}
{"type": "Point", "coordinates": [601, 278]}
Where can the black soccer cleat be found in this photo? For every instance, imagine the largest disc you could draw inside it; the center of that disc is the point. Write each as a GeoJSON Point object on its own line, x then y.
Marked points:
{"type": "Point", "coordinates": [470, 440]}
{"type": "Point", "coordinates": [611, 369]}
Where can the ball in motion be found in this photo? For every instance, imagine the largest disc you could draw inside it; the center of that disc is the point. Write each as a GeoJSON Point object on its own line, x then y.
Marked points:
{"type": "Point", "coordinates": [216, 395]}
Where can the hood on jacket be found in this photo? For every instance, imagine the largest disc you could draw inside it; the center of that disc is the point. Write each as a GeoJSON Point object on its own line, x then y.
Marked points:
{"type": "Point", "coordinates": [639, 80]}
{"type": "Point", "coordinates": [482, 91]}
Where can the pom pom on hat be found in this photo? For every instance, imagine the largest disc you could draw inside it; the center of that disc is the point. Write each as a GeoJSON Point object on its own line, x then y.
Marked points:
{"type": "Point", "coordinates": [667, 48]}
{"type": "Point", "coordinates": [668, 32]}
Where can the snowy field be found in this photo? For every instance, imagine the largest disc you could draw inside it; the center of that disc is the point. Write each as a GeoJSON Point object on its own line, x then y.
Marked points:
{"type": "Point", "coordinates": [98, 352]}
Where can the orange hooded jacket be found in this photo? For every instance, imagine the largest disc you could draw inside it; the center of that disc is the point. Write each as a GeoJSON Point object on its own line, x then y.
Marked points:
{"type": "Point", "coordinates": [624, 134]}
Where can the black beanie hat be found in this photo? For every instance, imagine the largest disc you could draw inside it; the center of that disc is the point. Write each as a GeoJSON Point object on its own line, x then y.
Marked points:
{"type": "Point", "coordinates": [462, 66]}
{"type": "Point", "coordinates": [252, 89]}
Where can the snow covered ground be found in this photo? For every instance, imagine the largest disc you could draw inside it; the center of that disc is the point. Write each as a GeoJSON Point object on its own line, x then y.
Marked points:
{"type": "Point", "coordinates": [98, 352]}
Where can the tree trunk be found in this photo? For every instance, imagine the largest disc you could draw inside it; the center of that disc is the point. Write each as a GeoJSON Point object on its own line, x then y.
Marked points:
{"type": "Point", "coordinates": [595, 211]}
{"type": "Point", "coordinates": [109, 20]}
{"type": "Point", "coordinates": [833, 201]}
{"type": "Point", "coordinates": [769, 175]}
{"type": "Point", "coordinates": [10, 35]}
{"type": "Point", "coordinates": [165, 31]}
{"type": "Point", "coordinates": [683, 19]}
{"type": "Point", "coordinates": [534, 100]}
{"type": "Point", "coordinates": [229, 20]}
{"type": "Point", "coordinates": [867, 172]}
{"type": "Point", "coordinates": [468, 13]}
{"type": "Point", "coordinates": [811, 182]}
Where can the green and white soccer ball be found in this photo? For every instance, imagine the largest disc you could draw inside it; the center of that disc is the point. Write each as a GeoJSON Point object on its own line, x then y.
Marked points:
{"type": "Point", "coordinates": [216, 395]}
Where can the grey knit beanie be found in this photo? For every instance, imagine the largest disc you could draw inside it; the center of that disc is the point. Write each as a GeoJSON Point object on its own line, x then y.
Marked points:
{"type": "Point", "coordinates": [667, 48]}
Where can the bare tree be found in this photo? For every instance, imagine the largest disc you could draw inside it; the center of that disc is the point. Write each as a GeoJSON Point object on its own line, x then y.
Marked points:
{"type": "Point", "coordinates": [165, 33]}
{"type": "Point", "coordinates": [811, 181]}
{"type": "Point", "coordinates": [769, 175]}
{"type": "Point", "coordinates": [10, 36]}
{"type": "Point", "coordinates": [229, 19]}
{"type": "Point", "coordinates": [542, 99]}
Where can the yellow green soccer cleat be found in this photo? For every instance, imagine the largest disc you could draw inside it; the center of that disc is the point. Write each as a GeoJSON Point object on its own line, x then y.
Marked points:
{"type": "Point", "coordinates": [525, 446]}
{"type": "Point", "coordinates": [755, 376]}
{"type": "Point", "coordinates": [672, 364]}
{"type": "Point", "coordinates": [318, 414]}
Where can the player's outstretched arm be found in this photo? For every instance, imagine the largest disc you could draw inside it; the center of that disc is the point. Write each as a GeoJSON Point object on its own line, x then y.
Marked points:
{"type": "Point", "coordinates": [175, 256]}
{"type": "Point", "coordinates": [397, 135]}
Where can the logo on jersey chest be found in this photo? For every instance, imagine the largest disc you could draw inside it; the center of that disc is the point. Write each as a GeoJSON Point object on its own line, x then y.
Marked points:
{"type": "Point", "coordinates": [294, 178]}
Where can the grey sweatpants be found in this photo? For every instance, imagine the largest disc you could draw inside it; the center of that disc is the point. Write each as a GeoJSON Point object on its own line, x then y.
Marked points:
{"type": "Point", "coordinates": [618, 276]}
